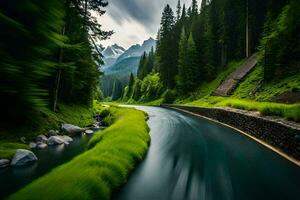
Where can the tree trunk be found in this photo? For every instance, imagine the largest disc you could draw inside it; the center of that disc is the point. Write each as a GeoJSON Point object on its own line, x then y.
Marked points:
{"type": "Point", "coordinates": [224, 55]}
{"type": "Point", "coordinates": [58, 76]}
{"type": "Point", "coordinates": [247, 30]}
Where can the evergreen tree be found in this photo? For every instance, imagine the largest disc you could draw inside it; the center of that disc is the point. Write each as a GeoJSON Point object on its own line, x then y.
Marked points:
{"type": "Point", "coordinates": [165, 50]}
{"type": "Point", "coordinates": [141, 69]}
{"type": "Point", "coordinates": [131, 85]}
{"type": "Point", "coordinates": [178, 11]}
{"type": "Point", "coordinates": [194, 8]}
{"type": "Point", "coordinates": [182, 76]}
{"type": "Point", "coordinates": [193, 64]}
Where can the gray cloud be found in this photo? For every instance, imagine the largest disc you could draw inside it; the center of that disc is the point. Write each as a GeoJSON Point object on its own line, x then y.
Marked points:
{"type": "Point", "coordinates": [146, 12]}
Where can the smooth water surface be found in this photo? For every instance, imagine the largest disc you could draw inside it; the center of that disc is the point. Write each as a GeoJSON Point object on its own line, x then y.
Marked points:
{"type": "Point", "coordinates": [195, 159]}
{"type": "Point", "coordinates": [12, 179]}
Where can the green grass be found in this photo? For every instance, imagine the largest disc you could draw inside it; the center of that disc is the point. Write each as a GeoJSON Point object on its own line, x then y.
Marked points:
{"type": "Point", "coordinates": [288, 111]}
{"type": "Point", "coordinates": [206, 89]}
{"type": "Point", "coordinates": [102, 169]}
{"type": "Point", "coordinates": [250, 83]}
{"type": "Point", "coordinates": [8, 149]}
{"type": "Point", "coordinates": [267, 90]}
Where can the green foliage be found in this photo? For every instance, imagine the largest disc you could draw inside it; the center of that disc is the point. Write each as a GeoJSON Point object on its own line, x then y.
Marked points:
{"type": "Point", "coordinates": [146, 65]}
{"type": "Point", "coordinates": [27, 47]}
{"type": "Point", "coordinates": [151, 87]}
{"type": "Point", "coordinates": [102, 169]}
{"type": "Point", "coordinates": [148, 89]}
{"type": "Point", "coordinates": [47, 56]}
{"type": "Point", "coordinates": [169, 96]}
{"type": "Point", "coordinates": [280, 46]}
{"type": "Point", "coordinates": [254, 87]}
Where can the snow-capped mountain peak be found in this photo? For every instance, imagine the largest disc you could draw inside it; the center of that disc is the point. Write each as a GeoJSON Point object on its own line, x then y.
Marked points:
{"type": "Point", "coordinates": [113, 51]}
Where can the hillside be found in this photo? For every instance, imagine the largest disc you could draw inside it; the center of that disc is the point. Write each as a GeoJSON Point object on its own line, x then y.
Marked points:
{"type": "Point", "coordinates": [204, 62]}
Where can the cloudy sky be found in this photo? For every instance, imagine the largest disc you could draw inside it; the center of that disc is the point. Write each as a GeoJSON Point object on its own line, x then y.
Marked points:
{"type": "Point", "coordinates": [134, 20]}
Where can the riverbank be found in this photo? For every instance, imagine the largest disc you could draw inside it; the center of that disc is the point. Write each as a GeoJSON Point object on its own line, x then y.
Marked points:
{"type": "Point", "coordinates": [279, 135]}
{"type": "Point", "coordinates": [113, 154]}
{"type": "Point", "coordinates": [18, 136]}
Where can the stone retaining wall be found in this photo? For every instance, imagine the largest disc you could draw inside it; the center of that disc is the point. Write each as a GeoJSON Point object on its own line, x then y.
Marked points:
{"type": "Point", "coordinates": [280, 136]}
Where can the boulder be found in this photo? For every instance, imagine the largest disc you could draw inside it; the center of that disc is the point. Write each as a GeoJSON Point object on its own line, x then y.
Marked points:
{"type": "Point", "coordinates": [32, 145]}
{"type": "Point", "coordinates": [89, 132]}
{"type": "Point", "coordinates": [55, 140]}
{"type": "Point", "coordinates": [41, 145]}
{"type": "Point", "coordinates": [52, 133]}
{"type": "Point", "coordinates": [23, 157]}
{"type": "Point", "coordinates": [4, 163]}
{"type": "Point", "coordinates": [66, 138]}
{"type": "Point", "coordinates": [70, 129]}
{"type": "Point", "coordinates": [41, 138]}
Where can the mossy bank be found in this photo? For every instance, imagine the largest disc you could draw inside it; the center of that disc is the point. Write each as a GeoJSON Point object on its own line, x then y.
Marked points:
{"type": "Point", "coordinates": [95, 174]}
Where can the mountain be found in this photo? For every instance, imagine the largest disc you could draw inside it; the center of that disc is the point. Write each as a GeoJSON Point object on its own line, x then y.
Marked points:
{"type": "Point", "coordinates": [125, 64]}
{"type": "Point", "coordinates": [138, 50]}
{"type": "Point", "coordinates": [111, 54]}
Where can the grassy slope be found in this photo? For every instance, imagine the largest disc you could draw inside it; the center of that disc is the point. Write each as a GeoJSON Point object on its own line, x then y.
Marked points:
{"type": "Point", "coordinates": [94, 174]}
{"type": "Point", "coordinates": [243, 98]}
{"type": "Point", "coordinates": [9, 139]}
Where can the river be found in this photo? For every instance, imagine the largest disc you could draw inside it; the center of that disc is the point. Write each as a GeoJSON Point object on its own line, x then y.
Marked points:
{"type": "Point", "coordinates": [192, 158]}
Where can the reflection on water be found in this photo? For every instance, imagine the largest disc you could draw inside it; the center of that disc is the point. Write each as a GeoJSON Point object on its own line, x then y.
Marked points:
{"type": "Point", "coordinates": [195, 159]}
{"type": "Point", "coordinates": [12, 179]}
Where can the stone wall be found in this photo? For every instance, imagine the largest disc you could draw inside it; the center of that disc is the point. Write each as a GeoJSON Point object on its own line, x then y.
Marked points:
{"type": "Point", "coordinates": [278, 135]}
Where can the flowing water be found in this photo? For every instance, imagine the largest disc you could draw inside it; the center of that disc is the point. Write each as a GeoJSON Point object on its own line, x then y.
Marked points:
{"type": "Point", "coordinates": [195, 159]}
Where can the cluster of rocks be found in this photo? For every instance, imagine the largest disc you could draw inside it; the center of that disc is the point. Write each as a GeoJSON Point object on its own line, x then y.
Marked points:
{"type": "Point", "coordinates": [24, 157]}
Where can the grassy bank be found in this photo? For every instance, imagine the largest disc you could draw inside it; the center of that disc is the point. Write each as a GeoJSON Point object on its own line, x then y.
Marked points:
{"type": "Point", "coordinates": [47, 120]}
{"type": "Point", "coordinates": [288, 111]}
{"type": "Point", "coordinates": [95, 174]}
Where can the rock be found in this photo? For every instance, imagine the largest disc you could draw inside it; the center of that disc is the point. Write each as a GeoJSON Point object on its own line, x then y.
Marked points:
{"type": "Point", "coordinates": [41, 138]}
{"type": "Point", "coordinates": [66, 138]}
{"type": "Point", "coordinates": [52, 133]}
{"type": "Point", "coordinates": [23, 157]}
{"type": "Point", "coordinates": [71, 129]}
{"type": "Point", "coordinates": [23, 140]}
{"type": "Point", "coordinates": [89, 132]}
{"type": "Point", "coordinates": [32, 145]}
{"type": "Point", "coordinates": [55, 140]}
{"type": "Point", "coordinates": [41, 145]}
{"type": "Point", "coordinates": [4, 163]}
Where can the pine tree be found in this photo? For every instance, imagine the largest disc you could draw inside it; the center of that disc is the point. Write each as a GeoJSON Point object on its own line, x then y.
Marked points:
{"type": "Point", "coordinates": [178, 11]}
{"type": "Point", "coordinates": [193, 64]}
{"type": "Point", "coordinates": [182, 63]}
{"type": "Point", "coordinates": [194, 8]}
{"type": "Point", "coordinates": [165, 49]}
{"type": "Point", "coordinates": [183, 15]}
{"type": "Point", "coordinates": [130, 85]}
{"type": "Point", "coordinates": [141, 69]}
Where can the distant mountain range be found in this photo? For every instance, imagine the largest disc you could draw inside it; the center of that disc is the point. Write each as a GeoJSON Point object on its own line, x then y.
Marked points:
{"type": "Point", "coordinates": [120, 63]}
{"type": "Point", "coordinates": [111, 54]}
